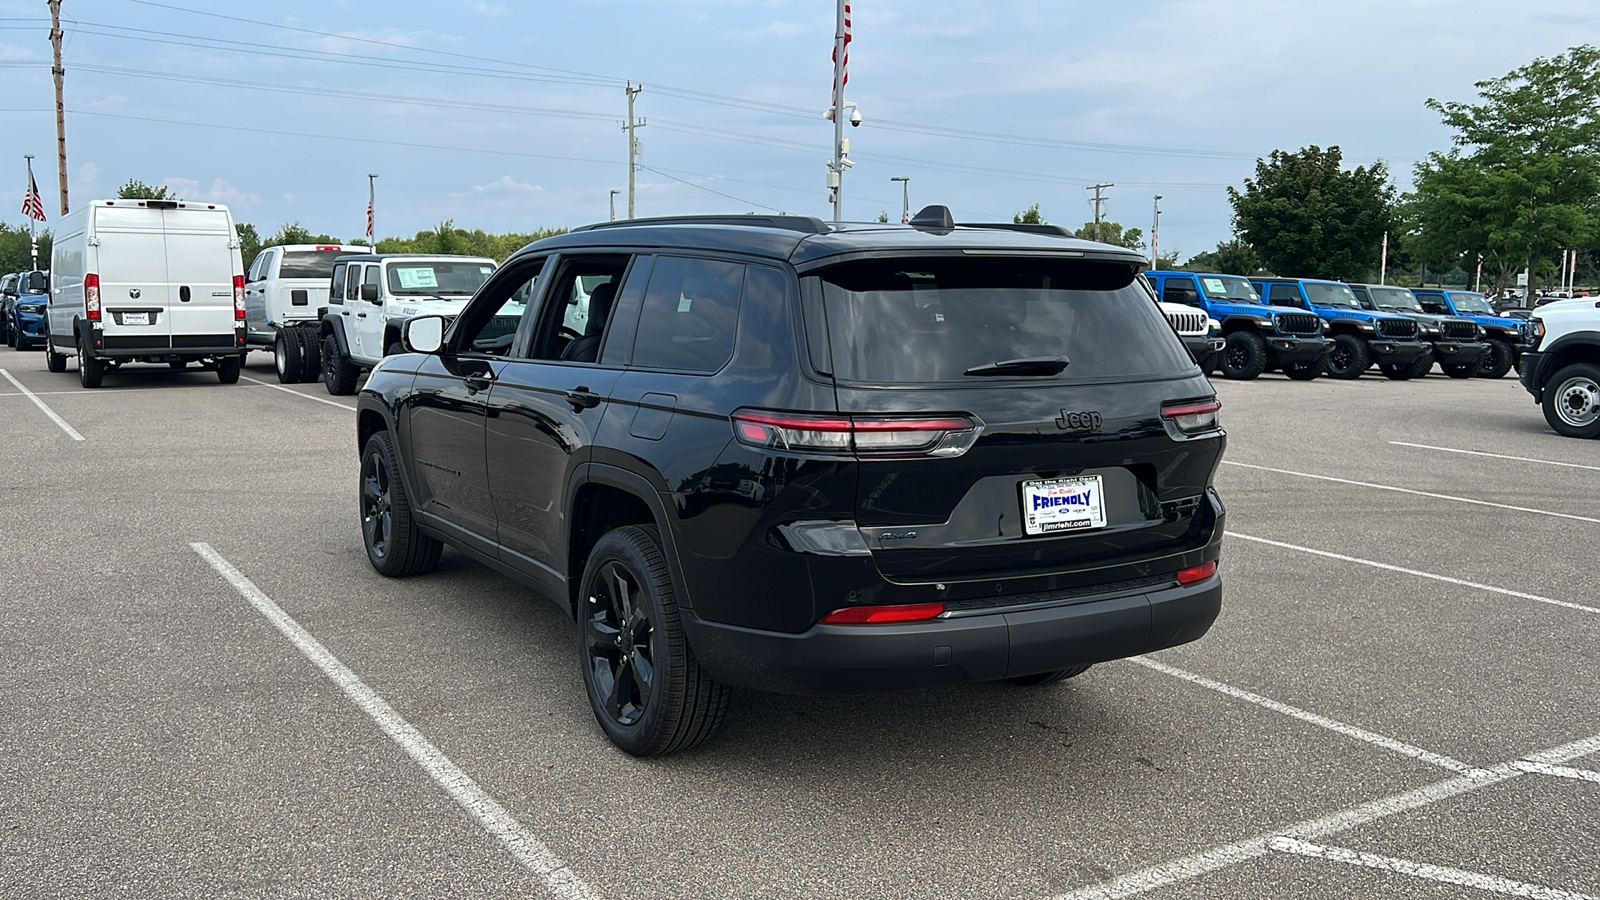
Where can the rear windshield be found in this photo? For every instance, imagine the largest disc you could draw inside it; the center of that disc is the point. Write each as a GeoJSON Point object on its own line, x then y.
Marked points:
{"type": "Point", "coordinates": [437, 279]}
{"type": "Point", "coordinates": [933, 319]}
{"type": "Point", "coordinates": [308, 263]}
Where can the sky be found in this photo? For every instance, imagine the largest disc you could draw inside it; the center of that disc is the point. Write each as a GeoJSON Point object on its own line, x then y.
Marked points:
{"type": "Point", "coordinates": [507, 115]}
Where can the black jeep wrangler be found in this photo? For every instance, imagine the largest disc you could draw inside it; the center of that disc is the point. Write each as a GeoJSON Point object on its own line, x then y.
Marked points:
{"type": "Point", "coordinates": [774, 453]}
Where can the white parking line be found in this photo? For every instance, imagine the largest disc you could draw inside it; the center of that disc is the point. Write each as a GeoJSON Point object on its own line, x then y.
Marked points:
{"type": "Point", "coordinates": [1219, 858]}
{"type": "Point", "coordinates": [1475, 880]}
{"type": "Point", "coordinates": [297, 393]}
{"type": "Point", "coordinates": [1526, 459]}
{"type": "Point", "coordinates": [489, 814]}
{"type": "Point", "coordinates": [71, 432]}
{"type": "Point", "coordinates": [1350, 731]}
{"type": "Point", "coordinates": [1521, 595]}
{"type": "Point", "coordinates": [1401, 490]}
{"type": "Point", "coordinates": [1536, 768]}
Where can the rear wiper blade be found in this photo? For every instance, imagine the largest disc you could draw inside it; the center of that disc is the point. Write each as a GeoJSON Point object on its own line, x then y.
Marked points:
{"type": "Point", "coordinates": [1030, 365]}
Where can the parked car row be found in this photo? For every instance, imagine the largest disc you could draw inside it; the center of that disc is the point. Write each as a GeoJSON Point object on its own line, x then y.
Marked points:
{"type": "Point", "coordinates": [23, 296]}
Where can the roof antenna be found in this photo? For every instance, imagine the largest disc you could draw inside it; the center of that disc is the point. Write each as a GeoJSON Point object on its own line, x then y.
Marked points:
{"type": "Point", "coordinates": [934, 219]}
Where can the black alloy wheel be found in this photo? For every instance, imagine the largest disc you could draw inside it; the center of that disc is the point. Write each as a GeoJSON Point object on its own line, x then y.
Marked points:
{"type": "Point", "coordinates": [395, 546]}
{"type": "Point", "coordinates": [1497, 362]}
{"type": "Point", "coordinates": [1244, 356]}
{"type": "Point", "coordinates": [1349, 358]}
{"type": "Point", "coordinates": [620, 637]}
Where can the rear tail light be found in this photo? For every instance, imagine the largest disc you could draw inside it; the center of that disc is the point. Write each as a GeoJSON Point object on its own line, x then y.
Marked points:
{"type": "Point", "coordinates": [1196, 574]}
{"type": "Point", "coordinates": [91, 297]}
{"type": "Point", "coordinates": [1193, 416]}
{"type": "Point", "coordinates": [881, 615]}
{"type": "Point", "coordinates": [939, 435]}
{"type": "Point", "coordinates": [238, 297]}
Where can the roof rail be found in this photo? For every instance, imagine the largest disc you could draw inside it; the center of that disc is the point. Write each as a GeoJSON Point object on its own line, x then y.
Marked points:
{"type": "Point", "coordinates": [804, 224]}
{"type": "Point", "coordinates": [1028, 227]}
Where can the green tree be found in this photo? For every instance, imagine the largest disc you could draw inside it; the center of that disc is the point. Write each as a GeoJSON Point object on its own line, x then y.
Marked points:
{"type": "Point", "coordinates": [138, 190]}
{"type": "Point", "coordinates": [1113, 233]}
{"type": "Point", "coordinates": [1307, 216]}
{"type": "Point", "coordinates": [446, 238]}
{"type": "Point", "coordinates": [249, 243]}
{"type": "Point", "coordinates": [883, 215]}
{"type": "Point", "coordinates": [14, 253]}
{"type": "Point", "coordinates": [1029, 216]}
{"type": "Point", "coordinates": [292, 233]}
{"type": "Point", "coordinates": [1234, 256]}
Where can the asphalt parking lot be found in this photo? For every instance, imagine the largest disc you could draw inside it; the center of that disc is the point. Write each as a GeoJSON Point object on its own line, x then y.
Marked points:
{"type": "Point", "coordinates": [207, 692]}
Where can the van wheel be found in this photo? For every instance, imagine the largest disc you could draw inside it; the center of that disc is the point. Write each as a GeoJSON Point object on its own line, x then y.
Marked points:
{"type": "Point", "coordinates": [1048, 677]}
{"type": "Point", "coordinates": [1572, 401]}
{"type": "Point", "coordinates": [1349, 357]}
{"type": "Point", "coordinates": [228, 369]}
{"type": "Point", "coordinates": [649, 694]}
{"type": "Point", "coordinates": [338, 374]}
{"type": "Point", "coordinates": [1497, 362]}
{"type": "Point", "coordinates": [53, 361]}
{"type": "Point", "coordinates": [310, 359]}
{"type": "Point", "coordinates": [287, 358]}
{"type": "Point", "coordinates": [90, 370]}
{"type": "Point", "coordinates": [1245, 356]}
{"type": "Point", "coordinates": [396, 547]}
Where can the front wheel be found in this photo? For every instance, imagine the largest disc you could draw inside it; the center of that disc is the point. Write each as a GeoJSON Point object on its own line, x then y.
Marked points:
{"type": "Point", "coordinates": [1497, 362]}
{"type": "Point", "coordinates": [396, 546]}
{"type": "Point", "coordinates": [338, 373]}
{"type": "Point", "coordinates": [1349, 357]}
{"type": "Point", "coordinates": [648, 692]}
{"type": "Point", "coordinates": [1572, 401]}
{"type": "Point", "coordinates": [53, 361]}
{"type": "Point", "coordinates": [1244, 357]}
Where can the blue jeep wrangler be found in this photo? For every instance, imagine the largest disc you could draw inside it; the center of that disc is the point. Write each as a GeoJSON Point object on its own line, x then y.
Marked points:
{"type": "Point", "coordinates": [1257, 336]}
{"type": "Point", "coordinates": [1360, 337]}
{"type": "Point", "coordinates": [1505, 337]}
{"type": "Point", "coordinates": [1452, 341]}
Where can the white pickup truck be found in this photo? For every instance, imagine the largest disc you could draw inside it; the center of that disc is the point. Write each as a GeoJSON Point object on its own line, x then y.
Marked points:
{"type": "Point", "coordinates": [285, 297]}
{"type": "Point", "coordinates": [1561, 368]}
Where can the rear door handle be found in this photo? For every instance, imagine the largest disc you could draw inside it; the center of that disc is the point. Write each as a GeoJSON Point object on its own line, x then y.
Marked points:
{"type": "Point", "coordinates": [582, 398]}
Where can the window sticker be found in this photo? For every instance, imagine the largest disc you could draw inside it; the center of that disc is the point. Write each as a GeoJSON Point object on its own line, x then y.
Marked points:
{"type": "Point", "coordinates": [1214, 286]}
{"type": "Point", "coordinates": [684, 303]}
{"type": "Point", "coordinates": [412, 277]}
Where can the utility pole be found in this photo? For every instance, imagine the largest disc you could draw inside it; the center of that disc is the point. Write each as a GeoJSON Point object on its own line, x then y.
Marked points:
{"type": "Point", "coordinates": [633, 142]}
{"type": "Point", "coordinates": [33, 243]}
{"type": "Point", "coordinates": [1155, 234]}
{"type": "Point", "coordinates": [841, 147]}
{"type": "Point", "coordinates": [905, 197]}
{"type": "Point", "coordinates": [1097, 201]}
{"type": "Point", "coordinates": [613, 201]}
{"type": "Point", "coordinates": [61, 109]}
{"type": "Point", "coordinates": [1383, 264]}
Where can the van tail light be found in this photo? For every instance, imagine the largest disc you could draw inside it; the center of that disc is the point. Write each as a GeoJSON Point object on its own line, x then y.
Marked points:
{"type": "Point", "coordinates": [922, 435]}
{"type": "Point", "coordinates": [91, 297]}
{"type": "Point", "coordinates": [882, 615]}
{"type": "Point", "coordinates": [1196, 574]}
{"type": "Point", "coordinates": [1193, 416]}
{"type": "Point", "coordinates": [238, 298]}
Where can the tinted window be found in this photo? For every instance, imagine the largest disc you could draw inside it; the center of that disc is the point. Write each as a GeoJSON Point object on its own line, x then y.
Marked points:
{"type": "Point", "coordinates": [1284, 295]}
{"type": "Point", "coordinates": [336, 291]}
{"type": "Point", "coordinates": [1180, 291]}
{"type": "Point", "coordinates": [690, 314]}
{"type": "Point", "coordinates": [494, 331]}
{"type": "Point", "coordinates": [352, 278]}
{"type": "Point", "coordinates": [907, 321]}
{"type": "Point", "coordinates": [434, 279]}
{"type": "Point", "coordinates": [307, 263]}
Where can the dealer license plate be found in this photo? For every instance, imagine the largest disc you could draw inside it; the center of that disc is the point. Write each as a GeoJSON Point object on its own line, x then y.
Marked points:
{"type": "Point", "coordinates": [136, 318]}
{"type": "Point", "coordinates": [1063, 504]}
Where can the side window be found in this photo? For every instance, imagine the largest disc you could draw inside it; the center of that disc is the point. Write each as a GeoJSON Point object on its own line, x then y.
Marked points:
{"type": "Point", "coordinates": [256, 267]}
{"type": "Point", "coordinates": [1177, 290]}
{"type": "Point", "coordinates": [372, 279]}
{"type": "Point", "coordinates": [577, 308]}
{"type": "Point", "coordinates": [336, 286]}
{"type": "Point", "coordinates": [351, 282]}
{"type": "Point", "coordinates": [1284, 295]}
{"type": "Point", "coordinates": [490, 323]}
{"type": "Point", "coordinates": [1433, 303]}
{"type": "Point", "coordinates": [690, 315]}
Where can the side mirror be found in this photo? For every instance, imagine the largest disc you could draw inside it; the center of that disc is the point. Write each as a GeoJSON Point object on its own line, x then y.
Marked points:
{"type": "Point", "coordinates": [423, 334]}
{"type": "Point", "coordinates": [369, 293]}
{"type": "Point", "coordinates": [38, 283]}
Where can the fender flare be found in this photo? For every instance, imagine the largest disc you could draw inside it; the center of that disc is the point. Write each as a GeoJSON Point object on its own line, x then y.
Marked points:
{"type": "Point", "coordinates": [334, 325]}
{"type": "Point", "coordinates": [639, 486]}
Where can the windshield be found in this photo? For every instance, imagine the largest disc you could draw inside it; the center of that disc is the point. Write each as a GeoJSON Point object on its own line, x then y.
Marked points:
{"type": "Point", "coordinates": [1236, 289]}
{"type": "Point", "coordinates": [437, 279]}
{"type": "Point", "coordinates": [1394, 298]}
{"type": "Point", "coordinates": [308, 263]}
{"type": "Point", "coordinates": [1326, 293]}
{"type": "Point", "coordinates": [929, 320]}
{"type": "Point", "coordinates": [1468, 302]}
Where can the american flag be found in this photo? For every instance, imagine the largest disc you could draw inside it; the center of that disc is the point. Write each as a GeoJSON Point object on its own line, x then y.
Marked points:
{"type": "Point", "coordinates": [369, 221]}
{"type": "Point", "coordinates": [32, 204]}
{"type": "Point", "coordinates": [844, 69]}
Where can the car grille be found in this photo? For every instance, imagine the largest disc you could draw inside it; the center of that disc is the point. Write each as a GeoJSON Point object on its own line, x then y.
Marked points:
{"type": "Point", "coordinates": [1460, 331]}
{"type": "Point", "coordinates": [1188, 322]}
{"type": "Point", "coordinates": [1299, 323]}
{"type": "Point", "coordinates": [1398, 328]}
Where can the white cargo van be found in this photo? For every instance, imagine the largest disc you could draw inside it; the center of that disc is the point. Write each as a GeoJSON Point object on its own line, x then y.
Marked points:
{"type": "Point", "coordinates": [285, 297]}
{"type": "Point", "coordinates": [146, 280]}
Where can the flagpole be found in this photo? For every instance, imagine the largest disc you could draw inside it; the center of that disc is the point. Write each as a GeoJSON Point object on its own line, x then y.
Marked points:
{"type": "Point", "coordinates": [372, 210]}
{"type": "Point", "coordinates": [33, 242]}
{"type": "Point", "coordinates": [836, 166]}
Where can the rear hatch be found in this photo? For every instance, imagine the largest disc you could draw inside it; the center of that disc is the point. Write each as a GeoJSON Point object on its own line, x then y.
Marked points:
{"type": "Point", "coordinates": [131, 260]}
{"type": "Point", "coordinates": [1068, 468]}
{"type": "Point", "coordinates": [200, 268]}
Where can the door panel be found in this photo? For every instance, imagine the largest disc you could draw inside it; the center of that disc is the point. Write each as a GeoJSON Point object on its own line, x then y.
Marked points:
{"type": "Point", "coordinates": [133, 284]}
{"type": "Point", "coordinates": [444, 428]}
{"type": "Point", "coordinates": [199, 258]}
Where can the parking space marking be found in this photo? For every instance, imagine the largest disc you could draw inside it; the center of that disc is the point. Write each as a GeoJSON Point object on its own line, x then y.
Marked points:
{"type": "Point", "coordinates": [1535, 768]}
{"type": "Point", "coordinates": [1401, 490]}
{"type": "Point", "coordinates": [297, 393]}
{"type": "Point", "coordinates": [1521, 595]}
{"type": "Point", "coordinates": [1475, 880]}
{"type": "Point", "coordinates": [1219, 858]}
{"type": "Point", "coordinates": [1526, 459]}
{"type": "Point", "coordinates": [1350, 731]}
{"type": "Point", "coordinates": [71, 432]}
{"type": "Point", "coordinates": [494, 818]}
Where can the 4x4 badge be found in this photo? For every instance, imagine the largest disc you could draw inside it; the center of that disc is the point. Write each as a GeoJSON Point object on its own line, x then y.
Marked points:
{"type": "Point", "coordinates": [1089, 421]}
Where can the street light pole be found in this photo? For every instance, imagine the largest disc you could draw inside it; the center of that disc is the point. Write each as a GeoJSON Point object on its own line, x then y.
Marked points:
{"type": "Point", "coordinates": [905, 197]}
{"type": "Point", "coordinates": [613, 199]}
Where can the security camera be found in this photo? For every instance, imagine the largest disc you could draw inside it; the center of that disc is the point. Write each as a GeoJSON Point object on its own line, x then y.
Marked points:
{"type": "Point", "coordinates": [845, 161]}
{"type": "Point", "coordinates": [855, 118]}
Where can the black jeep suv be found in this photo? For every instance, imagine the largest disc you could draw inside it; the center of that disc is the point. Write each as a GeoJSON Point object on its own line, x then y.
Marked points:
{"type": "Point", "coordinates": [773, 453]}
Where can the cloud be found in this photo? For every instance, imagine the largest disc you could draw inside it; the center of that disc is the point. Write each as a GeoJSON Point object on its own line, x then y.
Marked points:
{"type": "Point", "coordinates": [88, 177]}
{"type": "Point", "coordinates": [219, 192]}
{"type": "Point", "coordinates": [505, 186]}
{"type": "Point", "coordinates": [490, 9]}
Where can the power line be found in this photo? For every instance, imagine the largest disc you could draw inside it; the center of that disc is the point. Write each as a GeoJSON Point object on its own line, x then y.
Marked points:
{"type": "Point", "coordinates": [709, 190]}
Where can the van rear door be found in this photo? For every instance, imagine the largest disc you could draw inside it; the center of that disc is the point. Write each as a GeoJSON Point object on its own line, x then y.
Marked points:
{"type": "Point", "coordinates": [131, 260]}
{"type": "Point", "coordinates": [200, 270]}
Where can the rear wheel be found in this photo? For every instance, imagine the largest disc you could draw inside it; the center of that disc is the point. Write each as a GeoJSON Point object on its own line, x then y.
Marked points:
{"type": "Point", "coordinates": [1349, 357]}
{"type": "Point", "coordinates": [338, 373]}
{"type": "Point", "coordinates": [311, 358]}
{"type": "Point", "coordinates": [287, 357]}
{"type": "Point", "coordinates": [1244, 356]}
{"type": "Point", "coordinates": [1497, 362]}
{"type": "Point", "coordinates": [228, 369]}
{"type": "Point", "coordinates": [396, 547]}
{"type": "Point", "coordinates": [91, 371]}
{"type": "Point", "coordinates": [1572, 401]}
{"type": "Point", "coordinates": [1048, 677]}
{"type": "Point", "coordinates": [648, 692]}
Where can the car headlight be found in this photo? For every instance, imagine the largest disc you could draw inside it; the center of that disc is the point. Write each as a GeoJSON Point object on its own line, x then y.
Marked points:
{"type": "Point", "coordinates": [1538, 329]}
{"type": "Point", "coordinates": [1365, 326]}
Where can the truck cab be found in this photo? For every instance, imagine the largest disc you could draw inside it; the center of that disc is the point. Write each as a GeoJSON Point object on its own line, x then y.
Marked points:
{"type": "Point", "coordinates": [1256, 336]}
{"type": "Point", "coordinates": [1505, 337]}
{"type": "Point", "coordinates": [1360, 337]}
{"type": "Point", "coordinates": [1560, 366]}
{"type": "Point", "coordinates": [1453, 342]}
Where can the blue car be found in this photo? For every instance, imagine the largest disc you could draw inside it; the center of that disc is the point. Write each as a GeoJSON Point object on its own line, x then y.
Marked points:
{"type": "Point", "coordinates": [24, 311]}
{"type": "Point", "coordinates": [1506, 337]}
{"type": "Point", "coordinates": [1361, 337]}
{"type": "Point", "coordinates": [1257, 336]}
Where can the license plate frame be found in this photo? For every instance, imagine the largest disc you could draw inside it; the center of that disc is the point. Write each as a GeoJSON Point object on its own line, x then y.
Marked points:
{"type": "Point", "coordinates": [136, 318]}
{"type": "Point", "coordinates": [1083, 506]}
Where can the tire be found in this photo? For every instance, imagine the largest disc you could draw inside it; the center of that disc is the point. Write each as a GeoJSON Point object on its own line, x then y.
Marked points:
{"type": "Point", "coordinates": [1212, 362]}
{"type": "Point", "coordinates": [1348, 359]}
{"type": "Point", "coordinates": [1407, 371]}
{"type": "Point", "coordinates": [1497, 362]}
{"type": "Point", "coordinates": [53, 361]}
{"type": "Point", "coordinates": [1422, 365]}
{"type": "Point", "coordinates": [1303, 371]}
{"type": "Point", "coordinates": [310, 358]}
{"type": "Point", "coordinates": [1044, 678]}
{"type": "Point", "coordinates": [1459, 370]}
{"type": "Point", "coordinates": [628, 614]}
{"type": "Point", "coordinates": [338, 374]}
{"type": "Point", "coordinates": [1244, 357]}
{"type": "Point", "coordinates": [395, 546]}
{"type": "Point", "coordinates": [228, 369]}
{"type": "Point", "coordinates": [91, 371]}
{"type": "Point", "coordinates": [287, 356]}
{"type": "Point", "coordinates": [1572, 401]}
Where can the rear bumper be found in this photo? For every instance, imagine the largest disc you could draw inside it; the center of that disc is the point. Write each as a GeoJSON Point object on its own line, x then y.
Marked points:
{"type": "Point", "coordinates": [1387, 351]}
{"type": "Point", "coordinates": [1459, 352]}
{"type": "Point", "coordinates": [854, 659]}
{"type": "Point", "coordinates": [1298, 349]}
{"type": "Point", "coordinates": [1201, 346]}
